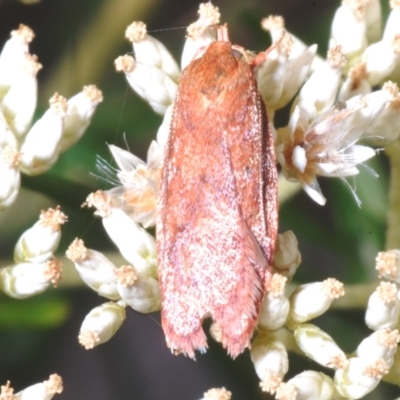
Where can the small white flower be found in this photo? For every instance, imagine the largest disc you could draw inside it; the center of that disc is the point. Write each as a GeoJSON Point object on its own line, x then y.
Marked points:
{"type": "Point", "coordinates": [383, 309]}
{"type": "Point", "coordinates": [138, 192]}
{"type": "Point", "coordinates": [287, 256]}
{"type": "Point", "coordinates": [19, 103]}
{"type": "Point", "coordinates": [37, 244]}
{"type": "Point", "coordinates": [319, 346]}
{"type": "Point", "coordinates": [365, 110]}
{"type": "Point", "coordinates": [380, 344]}
{"type": "Point", "coordinates": [101, 324]}
{"type": "Point", "coordinates": [313, 299]}
{"type": "Point", "coordinates": [95, 269]}
{"type": "Point", "coordinates": [269, 356]}
{"type": "Point", "coordinates": [270, 74]}
{"type": "Point", "coordinates": [151, 83]}
{"type": "Point", "coordinates": [385, 128]}
{"type": "Point", "coordinates": [319, 92]}
{"type": "Point", "coordinates": [380, 59]}
{"type": "Point", "coordinates": [42, 391]}
{"type": "Point", "coordinates": [275, 25]}
{"type": "Point", "coordinates": [41, 147]}
{"type": "Point", "coordinates": [135, 244]}
{"type": "Point", "coordinates": [326, 146]}
{"type": "Point", "coordinates": [140, 292]}
{"type": "Point", "coordinates": [297, 69]}
{"type": "Point", "coordinates": [313, 385]}
{"type": "Point", "coordinates": [359, 377]}
{"type": "Point", "coordinates": [275, 306]}
{"type": "Point", "coordinates": [149, 51]}
{"type": "Point", "coordinates": [13, 56]}
{"type": "Point", "coordinates": [81, 108]}
{"type": "Point", "coordinates": [349, 29]}
{"type": "Point", "coordinates": [29, 279]}
{"type": "Point", "coordinates": [356, 83]}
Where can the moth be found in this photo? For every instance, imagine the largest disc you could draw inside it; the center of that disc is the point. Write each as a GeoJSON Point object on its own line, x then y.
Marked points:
{"type": "Point", "coordinates": [217, 209]}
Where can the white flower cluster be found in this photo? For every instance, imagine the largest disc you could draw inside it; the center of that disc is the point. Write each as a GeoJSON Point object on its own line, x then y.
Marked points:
{"type": "Point", "coordinates": [336, 106]}
{"type": "Point", "coordinates": [35, 267]}
{"type": "Point", "coordinates": [27, 148]}
{"type": "Point", "coordinates": [40, 391]}
{"type": "Point", "coordinates": [284, 325]}
{"type": "Point", "coordinates": [134, 285]}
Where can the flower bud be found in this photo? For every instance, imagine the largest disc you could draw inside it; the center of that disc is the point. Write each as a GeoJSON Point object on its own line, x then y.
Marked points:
{"type": "Point", "coordinates": [95, 269]}
{"type": "Point", "coordinates": [81, 108]}
{"type": "Point", "coordinates": [149, 51]}
{"type": "Point", "coordinates": [101, 324]}
{"type": "Point", "coordinates": [365, 110]}
{"type": "Point", "coordinates": [297, 68]}
{"type": "Point", "coordinates": [356, 83]}
{"type": "Point", "coordinates": [42, 391]}
{"type": "Point", "coordinates": [19, 103]}
{"type": "Point", "coordinates": [359, 377]}
{"type": "Point", "coordinates": [385, 127]}
{"type": "Point", "coordinates": [200, 33]}
{"type": "Point", "coordinates": [270, 74]}
{"type": "Point", "coordinates": [142, 293]}
{"type": "Point", "coordinates": [29, 279]}
{"type": "Point", "coordinates": [287, 256]}
{"type": "Point", "coordinates": [10, 176]}
{"type": "Point", "coordinates": [349, 29]}
{"type": "Point", "coordinates": [319, 346]}
{"type": "Point", "coordinates": [150, 83]}
{"type": "Point", "coordinates": [380, 344]}
{"type": "Point", "coordinates": [38, 243]}
{"type": "Point", "coordinates": [275, 306]}
{"type": "Point", "coordinates": [41, 147]}
{"type": "Point", "coordinates": [313, 299]}
{"type": "Point", "coordinates": [380, 60]}
{"type": "Point", "coordinates": [270, 360]}
{"type": "Point", "coordinates": [313, 385]}
{"type": "Point", "coordinates": [319, 92]}
{"type": "Point", "coordinates": [13, 55]}
{"type": "Point", "coordinates": [383, 307]}
{"type": "Point", "coordinates": [275, 25]}
{"type": "Point", "coordinates": [136, 245]}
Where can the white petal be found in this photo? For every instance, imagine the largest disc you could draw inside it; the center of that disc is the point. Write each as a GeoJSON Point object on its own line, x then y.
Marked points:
{"type": "Point", "coordinates": [314, 191]}
{"type": "Point", "coordinates": [358, 154]}
{"type": "Point", "coordinates": [299, 158]}
{"type": "Point", "coordinates": [349, 31]}
{"type": "Point", "coordinates": [81, 108]}
{"type": "Point", "coordinates": [126, 161]}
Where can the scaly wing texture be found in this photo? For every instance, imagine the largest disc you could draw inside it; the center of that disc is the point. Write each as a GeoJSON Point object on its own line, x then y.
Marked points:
{"type": "Point", "coordinates": [215, 241]}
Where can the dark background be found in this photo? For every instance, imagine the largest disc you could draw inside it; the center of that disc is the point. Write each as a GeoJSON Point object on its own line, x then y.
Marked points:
{"type": "Point", "coordinates": [77, 41]}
